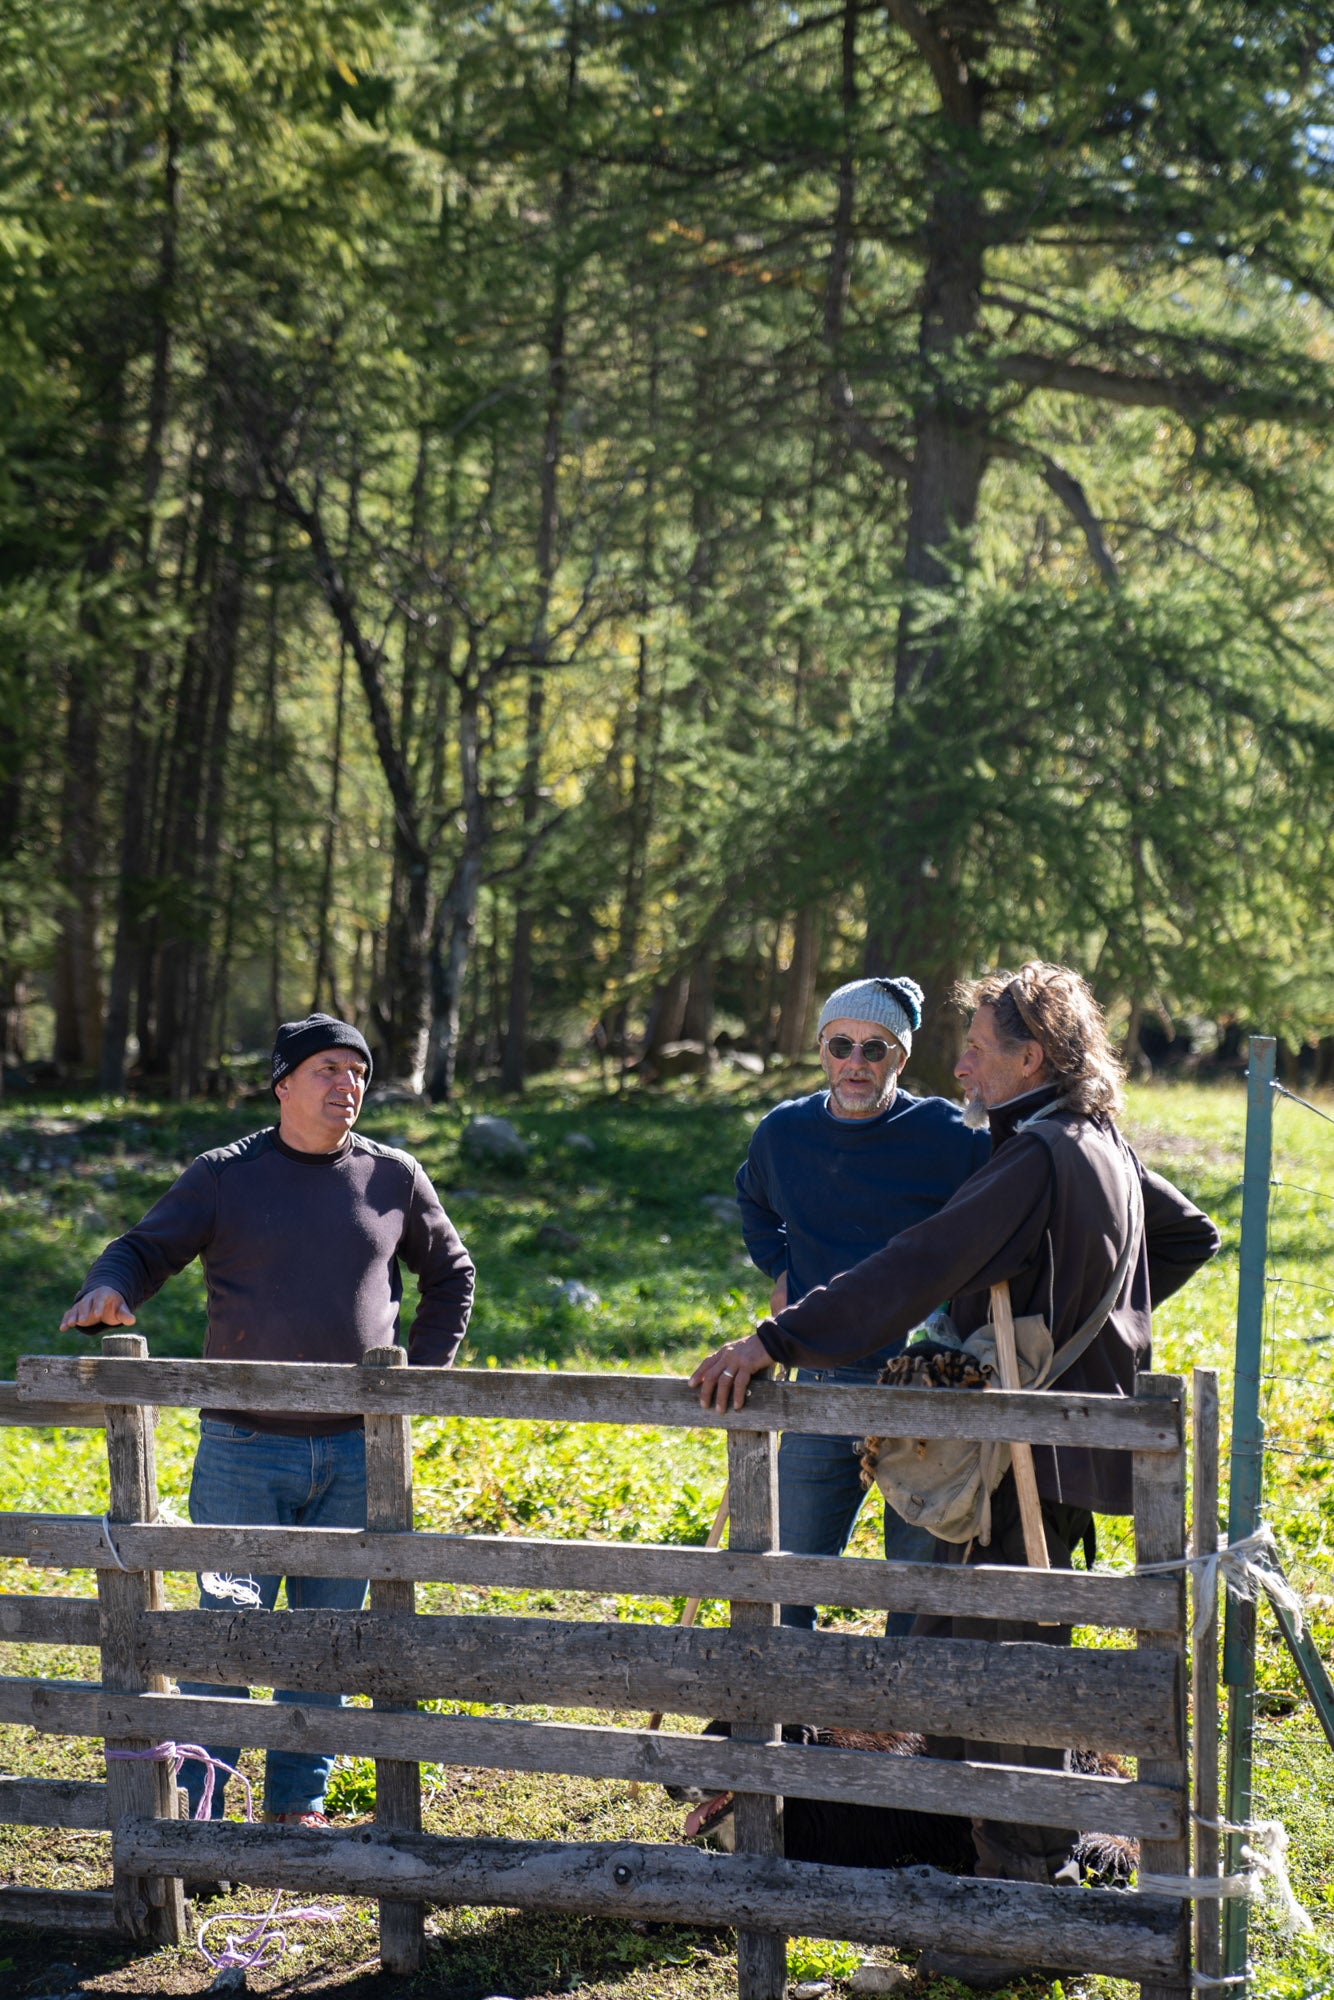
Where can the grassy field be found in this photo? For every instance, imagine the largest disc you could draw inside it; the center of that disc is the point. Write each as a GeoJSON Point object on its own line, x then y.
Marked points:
{"type": "Point", "coordinates": [618, 1196]}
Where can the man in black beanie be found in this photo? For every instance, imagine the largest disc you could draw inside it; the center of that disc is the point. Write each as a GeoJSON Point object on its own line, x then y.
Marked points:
{"type": "Point", "coordinates": [301, 1229]}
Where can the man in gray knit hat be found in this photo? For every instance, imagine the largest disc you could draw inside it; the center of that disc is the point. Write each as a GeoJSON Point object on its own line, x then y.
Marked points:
{"type": "Point", "coordinates": [829, 1178]}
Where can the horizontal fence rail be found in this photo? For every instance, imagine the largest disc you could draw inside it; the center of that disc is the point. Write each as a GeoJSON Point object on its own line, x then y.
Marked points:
{"type": "Point", "coordinates": [42, 1416]}
{"type": "Point", "coordinates": [83, 1912]}
{"type": "Point", "coordinates": [48, 1621]}
{"type": "Point", "coordinates": [659, 1757]}
{"type": "Point", "coordinates": [1094, 1930]}
{"type": "Point", "coordinates": [1012, 1693]}
{"type": "Point", "coordinates": [299, 1388]}
{"type": "Point", "coordinates": [80, 1802]}
{"type": "Point", "coordinates": [631, 1569]}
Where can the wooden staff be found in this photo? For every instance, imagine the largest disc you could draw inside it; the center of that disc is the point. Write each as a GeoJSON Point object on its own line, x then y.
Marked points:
{"type": "Point", "coordinates": [1021, 1455]}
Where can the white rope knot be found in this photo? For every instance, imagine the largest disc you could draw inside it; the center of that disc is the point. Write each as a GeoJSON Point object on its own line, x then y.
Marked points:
{"type": "Point", "coordinates": [1248, 1567]}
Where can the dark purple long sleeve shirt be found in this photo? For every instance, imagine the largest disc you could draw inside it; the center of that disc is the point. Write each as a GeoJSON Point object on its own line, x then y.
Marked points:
{"type": "Point", "coordinates": [302, 1256]}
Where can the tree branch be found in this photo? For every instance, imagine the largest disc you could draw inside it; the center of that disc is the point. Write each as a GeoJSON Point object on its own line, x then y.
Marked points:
{"type": "Point", "coordinates": [369, 658]}
{"type": "Point", "coordinates": [858, 432]}
{"type": "Point", "coordinates": [949, 71]}
{"type": "Point", "coordinates": [1071, 496]}
{"type": "Point", "coordinates": [1197, 398]}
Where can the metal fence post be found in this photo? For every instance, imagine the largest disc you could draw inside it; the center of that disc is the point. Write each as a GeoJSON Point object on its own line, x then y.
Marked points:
{"type": "Point", "coordinates": [1247, 1465]}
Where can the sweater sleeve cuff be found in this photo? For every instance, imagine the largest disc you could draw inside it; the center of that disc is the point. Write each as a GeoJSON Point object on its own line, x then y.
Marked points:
{"type": "Point", "coordinates": [771, 1335]}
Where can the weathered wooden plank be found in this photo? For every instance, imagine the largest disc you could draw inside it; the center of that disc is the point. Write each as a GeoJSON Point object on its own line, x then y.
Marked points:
{"type": "Point", "coordinates": [1018, 1693]}
{"type": "Point", "coordinates": [49, 1621]}
{"type": "Point", "coordinates": [663, 1757]}
{"type": "Point", "coordinates": [1073, 1597]}
{"type": "Point", "coordinates": [1160, 1536]}
{"type": "Point", "coordinates": [752, 1498]}
{"type": "Point", "coordinates": [1089, 1929]}
{"type": "Point", "coordinates": [1204, 1663]}
{"type": "Point", "coordinates": [143, 1908]}
{"type": "Point", "coordinates": [535, 1394]}
{"type": "Point", "coordinates": [398, 1797]}
{"type": "Point", "coordinates": [80, 1912]}
{"type": "Point", "coordinates": [40, 1416]}
{"type": "Point", "coordinates": [54, 1802]}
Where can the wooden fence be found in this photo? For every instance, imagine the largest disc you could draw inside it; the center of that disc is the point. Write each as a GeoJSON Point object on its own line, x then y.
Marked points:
{"type": "Point", "coordinates": [1131, 1699]}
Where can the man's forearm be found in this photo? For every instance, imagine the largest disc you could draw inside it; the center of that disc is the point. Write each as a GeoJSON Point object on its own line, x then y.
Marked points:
{"type": "Point", "coordinates": [170, 1236]}
{"type": "Point", "coordinates": [985, 1232]}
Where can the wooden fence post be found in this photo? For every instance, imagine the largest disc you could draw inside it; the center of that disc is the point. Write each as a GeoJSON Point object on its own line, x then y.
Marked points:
{"type": "Point", "coordinates": [1160, 1536]}
{"type": "Point", "coordinates": [398, 1796]}
{"type": "Point", "coordinates": [145, 1906]}
{"type": "Point", "coordinates": [752, 1485]}
{"type": "Point", "coordinates": [1204, 1662]}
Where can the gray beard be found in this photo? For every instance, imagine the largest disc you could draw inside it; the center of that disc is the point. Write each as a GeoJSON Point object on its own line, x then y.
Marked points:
{"type": "Point", "coordinates": [881, 1103]}
{"type": "Point", "coordinates": [975, 1115]}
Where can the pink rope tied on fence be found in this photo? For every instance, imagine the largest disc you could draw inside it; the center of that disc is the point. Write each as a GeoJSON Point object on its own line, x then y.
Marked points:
{"type": "Point", "coordinates": [177, 1754]}
{"type": "Point", "coordinates": [241, 1952]}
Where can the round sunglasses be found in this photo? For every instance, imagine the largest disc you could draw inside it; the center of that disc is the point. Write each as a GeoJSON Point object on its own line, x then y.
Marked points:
{"type": "Point", "coordinates": [875, 1050]}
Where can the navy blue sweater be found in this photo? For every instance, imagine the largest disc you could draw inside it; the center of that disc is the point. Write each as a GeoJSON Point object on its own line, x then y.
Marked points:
{"type": "Point", "coordinates": [818, 1193]}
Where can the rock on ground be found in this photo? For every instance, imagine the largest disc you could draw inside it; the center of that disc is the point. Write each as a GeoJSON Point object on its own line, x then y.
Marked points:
{"type": "Point", "coordinates": [872, 1978]}
{"type": "Point", "coordinates": [494, 1142]}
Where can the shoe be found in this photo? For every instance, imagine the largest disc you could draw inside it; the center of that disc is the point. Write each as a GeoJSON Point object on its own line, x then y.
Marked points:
{"type": "Point", "coordinates": [205, 1891]}
{"type": "Point", "coordinates": [984, 1975]}
{"type": "Point", "coordinates": [297, 1819]}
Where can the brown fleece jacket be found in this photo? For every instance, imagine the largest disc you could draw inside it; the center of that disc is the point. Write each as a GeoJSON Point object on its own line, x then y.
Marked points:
{"type": "Point", "coordinates": [1048, 1214]}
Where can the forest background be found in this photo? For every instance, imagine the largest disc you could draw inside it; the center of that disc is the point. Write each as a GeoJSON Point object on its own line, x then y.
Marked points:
{"type": "Point", "coordinates": [560, 518]}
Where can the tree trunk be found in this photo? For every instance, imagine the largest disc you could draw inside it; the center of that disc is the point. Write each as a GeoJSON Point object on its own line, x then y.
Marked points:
{"type": "Point", "coordinates": [513, 1061]}
{"type": "Point", "coordinates": [135, 804]}
{"type": "Point", "coordinates": [78, 978]}
{"type": "Point", "coordinates": [514, 1058]}
{"type": "Point", "coordinates": [909, 927]}
{"type": "Point", "coordinates": [667, 1014]}
{"type": "Point", "coordinates": [794, 1021]}
{"type": "Point", "coordinates": [697, 1018]}
{"type": "Point", "coordinates": [12, 762]}
{"type": "Point", "coordinates": [324, 975]}
{"type": "Point", "coordinates": [404, 1014]}
{"type": "Point", "coordinates": [183, 786]}
{"type": "Point", "coordinates": [191, 1053]}
{"type": "Point", "coordinates": [456, 917]}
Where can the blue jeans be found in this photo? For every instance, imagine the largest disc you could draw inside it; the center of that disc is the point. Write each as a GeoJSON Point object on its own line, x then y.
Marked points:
{"type": "Point", "coordinates": [820, 1494]}
{"type": "Point", "coordinates": [263, 1479]}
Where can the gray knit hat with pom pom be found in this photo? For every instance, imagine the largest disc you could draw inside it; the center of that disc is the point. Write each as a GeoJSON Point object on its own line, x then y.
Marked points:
{"type": "Point", "coordinates": [895, 1004]}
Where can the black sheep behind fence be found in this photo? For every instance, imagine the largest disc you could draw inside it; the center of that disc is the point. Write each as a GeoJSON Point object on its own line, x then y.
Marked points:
{"type": "Point", "coordinates": [1104, 1700]}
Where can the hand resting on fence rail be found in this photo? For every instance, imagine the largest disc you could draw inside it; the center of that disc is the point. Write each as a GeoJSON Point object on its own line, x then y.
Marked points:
{"type": "Point", "coordinates": [1123, 1423]}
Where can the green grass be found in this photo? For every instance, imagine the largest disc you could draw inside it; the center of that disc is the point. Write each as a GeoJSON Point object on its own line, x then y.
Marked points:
{"type": "Point", "coordinates": [627, 1215]}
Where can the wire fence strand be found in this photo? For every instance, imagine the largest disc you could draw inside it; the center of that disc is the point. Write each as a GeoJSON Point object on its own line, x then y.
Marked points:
{"type": "Point", "coordinates": [1281, 1090]}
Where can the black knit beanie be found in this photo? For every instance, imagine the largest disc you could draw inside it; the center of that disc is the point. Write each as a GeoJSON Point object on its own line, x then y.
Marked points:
{"type": "Point", "coordinates": [295, 1040]}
